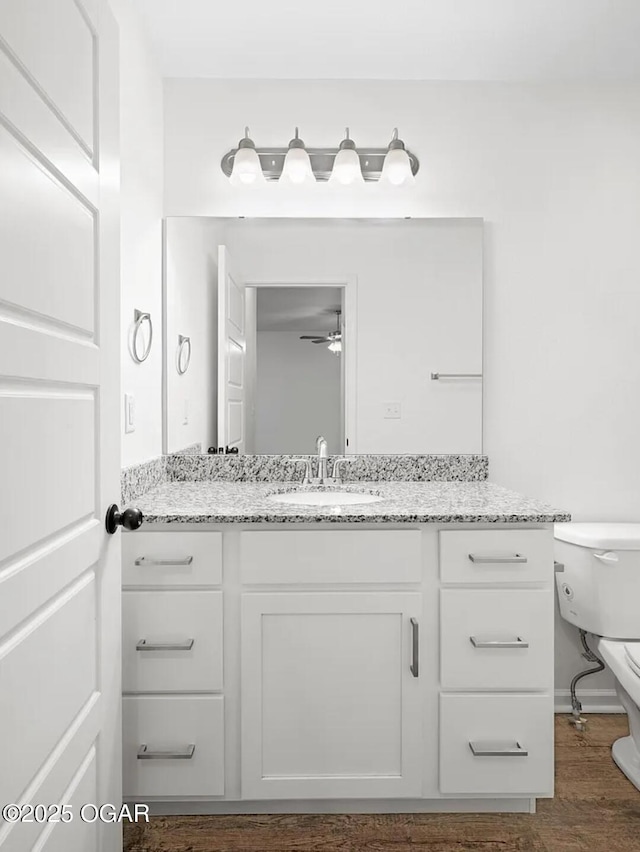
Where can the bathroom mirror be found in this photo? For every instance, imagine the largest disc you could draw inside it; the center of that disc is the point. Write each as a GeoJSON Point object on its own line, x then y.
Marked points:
{"type": "Point", "coordinates": [368, 332]}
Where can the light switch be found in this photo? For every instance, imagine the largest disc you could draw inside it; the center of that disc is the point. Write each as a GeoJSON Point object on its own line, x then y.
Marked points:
{"type": "Point", "coordinates": [392, 411]}
{"type": "Point", "coordinates": [129, 412]}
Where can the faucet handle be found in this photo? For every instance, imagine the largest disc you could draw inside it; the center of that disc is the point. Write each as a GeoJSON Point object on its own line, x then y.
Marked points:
{"type": "Point", "coordinates": [336, 466]}
{"type": "Point", "coordinates": [307, 472]}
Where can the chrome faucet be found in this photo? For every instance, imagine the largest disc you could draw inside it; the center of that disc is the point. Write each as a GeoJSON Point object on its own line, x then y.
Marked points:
{"type": "Point", "coordinates": [323, 455]}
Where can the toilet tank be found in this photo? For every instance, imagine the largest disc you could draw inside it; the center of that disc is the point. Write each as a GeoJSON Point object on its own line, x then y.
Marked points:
{"type": "Point", "coordinates": [599, 589]}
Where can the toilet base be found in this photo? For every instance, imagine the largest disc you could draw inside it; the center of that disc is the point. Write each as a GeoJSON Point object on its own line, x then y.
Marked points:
{"type": "Point", "coordinates": [625, 754]}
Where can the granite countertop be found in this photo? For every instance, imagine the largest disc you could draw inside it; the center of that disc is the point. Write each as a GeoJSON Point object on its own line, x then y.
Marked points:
{"type": "Point", "coordinates": [217, 502]}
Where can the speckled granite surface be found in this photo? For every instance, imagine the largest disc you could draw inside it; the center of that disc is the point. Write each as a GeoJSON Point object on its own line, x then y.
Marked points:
{"type": "Point", "coordinates": [137, 479]}
{"type": "Point", "coordinates": [402, 502]}
{"type": "Point", "coordinates": [283, 468]}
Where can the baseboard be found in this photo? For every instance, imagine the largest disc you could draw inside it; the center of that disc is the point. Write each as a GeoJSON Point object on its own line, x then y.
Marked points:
{"type": "Point", "coordinates": [345, 806]}
{"type": "Point", "coordinates": [593, 701]}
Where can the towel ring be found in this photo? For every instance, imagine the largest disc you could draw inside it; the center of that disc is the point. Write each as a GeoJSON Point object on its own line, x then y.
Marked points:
{"type": "Point", "coordinates": [139, 318]}
{"type": "Point", "coordinates": [183, 355]}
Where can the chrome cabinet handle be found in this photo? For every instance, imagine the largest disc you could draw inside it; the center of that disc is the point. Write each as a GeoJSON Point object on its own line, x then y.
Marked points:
{"type": "Point", "coordinates": [507, 559]}
{"type": "Point", "coordinates": [178, 563]}
{"type": "Point", "coordinates": [435, 377]}
{"type": "Point", "coordinates": [145, 754]}
{"type": "Point", "coordinates": [143, 645]}
{"type": "Point", "coordinates": [415, 647]}
{"type": "Point", "coordinates": [497, 749]}
{"type": "Point", "coordinates": [498, 643]}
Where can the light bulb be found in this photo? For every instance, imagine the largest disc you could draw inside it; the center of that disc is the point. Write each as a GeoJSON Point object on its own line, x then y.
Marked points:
{"type": "Point", "coordinates": [246, 163]}
{"type": "Point", "coordinates": [297, 165]}
{"type": "Point", "coordinates": [335, 346]}
{"type": "Point", "coordinates": [346, 166]}
{"type": "Point", "coordinates": [396, 168]}
{"type": "Point", "coordinates": [246, 167]}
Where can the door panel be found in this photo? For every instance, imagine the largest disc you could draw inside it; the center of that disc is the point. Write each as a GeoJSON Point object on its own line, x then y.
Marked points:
{"type": "Point", "coordinates": [330, 708]}
{"type": "Point", "coordinates": [67, 629]}
{"type": "Point", "coordinates": [54, 44]}
{"type": "Point", "coordinates": [45, 439]}
{"type": "Point", "coordinates": [59, 417]}
{"type": "Point", "coordinates": [41, 219]}
{"type": "Point", "coordinates": [232, 348]}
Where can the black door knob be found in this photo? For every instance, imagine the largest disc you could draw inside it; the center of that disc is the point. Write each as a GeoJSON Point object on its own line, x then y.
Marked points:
{"type": "Point", "coordinates": [130, 519]}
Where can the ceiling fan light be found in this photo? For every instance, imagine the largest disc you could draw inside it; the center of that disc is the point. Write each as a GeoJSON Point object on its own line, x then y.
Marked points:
{"type": "Point", "coordinates": [335, 346]}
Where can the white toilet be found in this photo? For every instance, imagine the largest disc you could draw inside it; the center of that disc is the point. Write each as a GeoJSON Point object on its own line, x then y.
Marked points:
{"type": "Point", "coordinates": [599, 591]}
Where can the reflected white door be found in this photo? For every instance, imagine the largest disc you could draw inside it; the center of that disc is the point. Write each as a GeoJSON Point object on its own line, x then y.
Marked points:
{"type": "Point", "coordinates": [232, 349]}
{"type": "Point", "coordinates": [59, 419]}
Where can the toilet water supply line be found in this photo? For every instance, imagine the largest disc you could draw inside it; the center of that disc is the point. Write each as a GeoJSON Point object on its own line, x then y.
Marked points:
{"type": "Point", "coordinates": [576, 704]}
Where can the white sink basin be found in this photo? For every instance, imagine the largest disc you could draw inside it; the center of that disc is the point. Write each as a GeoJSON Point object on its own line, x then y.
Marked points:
{"type": "Point", "coordinates": [325, 498]}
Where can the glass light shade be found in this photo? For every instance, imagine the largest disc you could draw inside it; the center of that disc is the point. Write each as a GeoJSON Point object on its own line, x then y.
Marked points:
{"type": "Point", "coordinates": [297, 166]}
{"type": "Point", "coordinates": [246, 167]}
{"type": "Point", "coordinates": [396, 168]}
{"type": "Point", "coordinates": [335, 346]}
{"type": "Point", "coordinates": [346, 167]}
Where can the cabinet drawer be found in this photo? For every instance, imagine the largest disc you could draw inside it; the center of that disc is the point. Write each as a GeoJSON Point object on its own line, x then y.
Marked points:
{"type": "Point", "coordinates": [496, 638]}
{"type": "Point", "coordinates": [496, 556]}
{"type": "Point", "coordinates": [331, 556]}
{"type": "Point", "coordinates": [189, 623]}
{"type": "Point", "coordinates": [172, 559]}
{"type": "Point", "coordinates": [512, 736]}
{"type": "Point", "coordinates": [173, 724]}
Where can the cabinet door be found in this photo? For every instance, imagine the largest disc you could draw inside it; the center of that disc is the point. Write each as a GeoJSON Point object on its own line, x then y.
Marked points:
{"type": "Point", "coordinates": [330, 706]}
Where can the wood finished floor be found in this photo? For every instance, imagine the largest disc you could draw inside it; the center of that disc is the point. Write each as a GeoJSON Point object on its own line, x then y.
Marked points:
{"type": "Point", "coordinates": [595, 810]}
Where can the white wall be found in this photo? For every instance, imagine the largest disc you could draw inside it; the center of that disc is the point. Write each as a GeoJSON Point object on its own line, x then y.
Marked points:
{"type": "Point", "coordinates": [555, 172]}
{"type": "Point", "coordinates": [191, 273]}
{"type": "Point", "coordinates": [298, 394]}
{"type": "Point", "coordinates": [141, 151]}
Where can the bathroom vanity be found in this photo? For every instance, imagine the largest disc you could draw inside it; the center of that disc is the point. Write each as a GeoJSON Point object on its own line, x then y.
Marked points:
{"type": "Point", "coordinates": [389, 657]}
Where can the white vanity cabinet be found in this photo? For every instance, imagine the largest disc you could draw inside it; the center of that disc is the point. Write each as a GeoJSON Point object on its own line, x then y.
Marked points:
{"type": "Point", "coordinates": [330, 707]}
{"type": "Point", "coordinates": [339, 667]}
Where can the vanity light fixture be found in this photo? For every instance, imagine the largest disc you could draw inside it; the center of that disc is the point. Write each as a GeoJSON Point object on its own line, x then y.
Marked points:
{"type": "Point", "coordinates": [246, 163]}
{"type": "Point", "coordinates": [397, 165]}
{"type": "Point", "coordinates": [296, 164]}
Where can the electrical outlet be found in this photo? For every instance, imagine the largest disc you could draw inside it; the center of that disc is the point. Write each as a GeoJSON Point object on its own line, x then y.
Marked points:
{"type": "Point", "coordinates": [129, 413]}
{"type": "Point", "coordinates": [392, 411]}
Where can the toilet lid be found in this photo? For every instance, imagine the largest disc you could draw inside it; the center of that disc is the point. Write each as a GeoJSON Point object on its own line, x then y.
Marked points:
{"type": "Point", "coordinates": [632, 652]}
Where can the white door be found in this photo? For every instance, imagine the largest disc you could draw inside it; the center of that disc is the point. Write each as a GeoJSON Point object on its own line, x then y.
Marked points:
{"type": "Point", "coordinates": [59, 419]}
{"type": "Point", "coordinates": [330, 706]}
{"type": "Point", "coordinates": [231, 354]}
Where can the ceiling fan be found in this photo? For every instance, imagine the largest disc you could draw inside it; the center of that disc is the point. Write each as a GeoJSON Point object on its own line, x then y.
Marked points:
{"type": "Point", "coordinates": [331, 337]}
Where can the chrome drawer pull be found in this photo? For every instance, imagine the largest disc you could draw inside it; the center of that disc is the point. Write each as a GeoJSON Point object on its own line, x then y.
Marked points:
{"type": "Point", "coordinates": [504, 559]}
{"type": "Point", "coordinates": [165, 563]}
{"type": "Point", "coordinates": [498, 643]}
{"type": "Point", "coordinates": [415, 647]}
{"type": "Point", "coordinates": [497, 749]}
{"type": "Point", "coordinates": [143, 645]}
{"type": "Point", "coordinates": [187, 754]}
